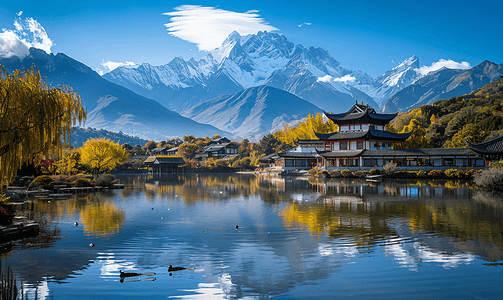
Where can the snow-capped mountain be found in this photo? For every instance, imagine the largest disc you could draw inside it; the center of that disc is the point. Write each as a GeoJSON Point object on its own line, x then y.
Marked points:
{"type": "Point", "coordinates": [241, 62]}
{"type": "Point", "coordinates": [252, 113]}
{"type": "Point", "coordinates": [393, 80]}
{"type": "Point", "coordinates": [443, 84]}
{"type": "Point", "coordinates": [110, 106]}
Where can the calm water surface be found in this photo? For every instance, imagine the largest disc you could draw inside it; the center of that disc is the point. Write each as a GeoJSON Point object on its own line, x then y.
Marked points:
{"type": "Point", "coordinates": [297, 239]}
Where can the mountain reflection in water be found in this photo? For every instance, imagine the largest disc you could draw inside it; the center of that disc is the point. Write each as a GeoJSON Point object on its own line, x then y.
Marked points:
{"type": "Point", "coordinates": [296, 236]}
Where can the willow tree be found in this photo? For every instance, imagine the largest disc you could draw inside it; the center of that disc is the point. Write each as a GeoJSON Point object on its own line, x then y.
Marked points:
{"type": "Point", "coordinates": [34, 119]}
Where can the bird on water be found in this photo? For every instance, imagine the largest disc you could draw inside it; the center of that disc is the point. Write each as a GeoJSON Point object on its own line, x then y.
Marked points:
{"type": "Point", "coordinates": [174, 269]}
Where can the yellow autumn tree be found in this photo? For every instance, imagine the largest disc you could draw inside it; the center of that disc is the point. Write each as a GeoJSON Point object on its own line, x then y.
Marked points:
{"type": "Point", "coordinates": [418, 137]}
{"type": "Point", "coordinates": [306, 129]}
{"type": "Point", "coordinates": [470, 132]}
{"type": "Point", "coordinates": [34, 119]}
{"type": "Point", "coordinates": [102, 155]}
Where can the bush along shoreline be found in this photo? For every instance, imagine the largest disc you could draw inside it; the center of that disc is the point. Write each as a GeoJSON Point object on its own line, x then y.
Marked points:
{"type": "Point", "coordinates": [387, 173]}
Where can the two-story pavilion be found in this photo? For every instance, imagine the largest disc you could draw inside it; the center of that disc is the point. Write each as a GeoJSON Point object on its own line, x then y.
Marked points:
{"type": "Point", "coordinates": [363, 142]}
{"type": "Point", "coordinates": [360, 128]}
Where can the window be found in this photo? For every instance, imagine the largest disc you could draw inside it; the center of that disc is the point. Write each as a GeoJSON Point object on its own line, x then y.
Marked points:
{"type": "Point", "coordinates": [448, 162]}
{"type": "Point", "coordinates": [343, 162]}
{"type": "Point", "coordinates": [327, 147]}
{"type": "Point", "coordinates": [301, 163]}
{"type": "Point", "coordinates": [336, 146]}
{"type": "Point", "coordinates": [353, 162]}
{"type": "Point", "coordinates": [353, 145]}
{"type": "Point", "coordinates": [367, 162]}
{"type": "Point", "coordinates": [359, 145]}
{"type": "Point", "coordinates": [365, 127]}
{"type": "Point", "coordinates": [288, 162]}
{"type": "Point", "coordinates": [345, 128]}
{"type": "Point", "coordinates": [344, 145]}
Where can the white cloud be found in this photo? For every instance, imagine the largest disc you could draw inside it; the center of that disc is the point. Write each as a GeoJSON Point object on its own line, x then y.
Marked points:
{"type": "Point", "coordinates": [326, 78]}
{"type": "Point", "coordinates": [27, 33]}
{"type": "Point", "coordinates": [208, 27]}
{"type": "Point", "coordinates": [344, 79]}
{"type": "Point", "coordinates": [111, 65]}
{"type": "Point", "coordinates": [450, 64]}
{"type": "Point", "coordinates": [11, 45]}
{"type": "Point", "coordinates": [304, 23]}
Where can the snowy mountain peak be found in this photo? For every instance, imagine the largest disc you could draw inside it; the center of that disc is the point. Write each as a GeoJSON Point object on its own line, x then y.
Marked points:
{"type": "Point", "coordinates": [411, 61]}
{"type": "Point", "coordinates": [233, 37]}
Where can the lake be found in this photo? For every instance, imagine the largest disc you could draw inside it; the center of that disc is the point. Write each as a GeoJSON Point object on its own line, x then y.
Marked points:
{"type": "Point", "coordinates": [296, 238]}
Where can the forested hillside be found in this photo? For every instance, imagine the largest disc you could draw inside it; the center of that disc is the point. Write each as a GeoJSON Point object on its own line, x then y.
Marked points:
{"type": "Point", "coordinates": [476, 117]}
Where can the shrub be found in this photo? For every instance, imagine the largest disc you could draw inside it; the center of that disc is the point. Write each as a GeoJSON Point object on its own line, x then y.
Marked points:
{"type": "Point", "coordinates": [346, 173]}
{"type": "Point", "coordinates": [313, 172]}
{"type": "Point", "coordinates": [389, 168]}
{"type": "Point", "coordinates": [105, 180]}
{"type": "Point", "coordinates": [324, 174]}
{"type": "Point", "coordinates": [421, 173]}
{"type": "Point", "coordinates": [374, 172]}
{"type": "Point", "coordinates": [451, 172]}
{"type": "Point", "coordinates": [41, 183]}
{"type": "Point", "coordinates": [491, 178]}
{"type": "Point", "coordinates": [336, 174]}
{"type": "Point", "coordinates": [82, 182]}
{"type": "Point", "coordinates": [436, 173]}
{"type": "Point", "coordinates": [470, 173]}
{"type": "Point", "coordinates": [360, 173]}
{"type": "Point", "coordinates": [6, 210]}
{"type": "Point", "coordinates": [461, 174]}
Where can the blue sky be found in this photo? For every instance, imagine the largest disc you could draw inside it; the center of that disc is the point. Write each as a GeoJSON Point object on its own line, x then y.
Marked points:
{"type": "Point", "coordinates": [371, 36]}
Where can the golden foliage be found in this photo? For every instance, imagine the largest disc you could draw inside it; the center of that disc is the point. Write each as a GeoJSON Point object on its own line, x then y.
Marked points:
{"type": "Point", "coordinates": [305, 130]}
{"type": "Point", "coordinates": [34, 118]}
{"type": "Point", "coordinates": [101, 155]}
{"type": "Point", "coordinates": [418, 137]}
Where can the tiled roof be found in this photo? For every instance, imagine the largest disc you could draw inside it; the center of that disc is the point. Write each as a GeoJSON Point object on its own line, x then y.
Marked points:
{"type": "Point", "coordinates": [217, 147]}
{"type": "Point", "coordinates": [363, 134]}
{"type": "Point", "coordinates": [360, 113]}
{"type": "Point", "coordinates": [493, 148]}
{"type": "Point", "coordinates": [170, 160]}
{"type": "Point", "coordinates": [298, 154]}
{"type": "Point", "coordinates": [268, 158]}
{"type": "Point", "coordinates": [399, 152]}
{"type": "Point", "coordinates": [341, 153]}
{"type": "Point", "coordinates": [164, 160]}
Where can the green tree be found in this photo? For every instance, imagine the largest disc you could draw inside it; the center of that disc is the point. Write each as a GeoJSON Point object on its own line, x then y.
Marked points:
{"type": "Point", "coordinates": [187, 151]}
{"type": "Point", "coordinates": [243, 146]}
{"type": "Point", "coordinates": [102, 155]}
{"type": "Point", "coordinates": [34, 118]}
{"type": "Point", "coordinates": [269, 144]}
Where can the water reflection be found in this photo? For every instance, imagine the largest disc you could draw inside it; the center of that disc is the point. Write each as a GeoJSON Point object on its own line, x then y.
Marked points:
{"type": "Point", "coordinates": [295, 235]}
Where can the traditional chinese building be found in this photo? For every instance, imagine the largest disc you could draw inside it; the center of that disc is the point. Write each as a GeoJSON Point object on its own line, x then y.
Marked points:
{"type": "Point", "coordinates": [362, 142]}
{"type": "Point", "coordinates": [360, 128]}
{"type": "Point", "coordinates": [490, 150]}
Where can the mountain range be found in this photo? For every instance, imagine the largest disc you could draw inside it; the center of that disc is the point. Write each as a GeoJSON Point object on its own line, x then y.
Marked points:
{"type": "Point", "coordinates": [253, 112]}
{"type": "Point", "coordinates": [110, 106]}
{"type": "Point", "coordinates": [443, 84]}
{"type": "Point", "coordinates": [258, 59]}
{"type": "Point", "coordinates": [248, 87]}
